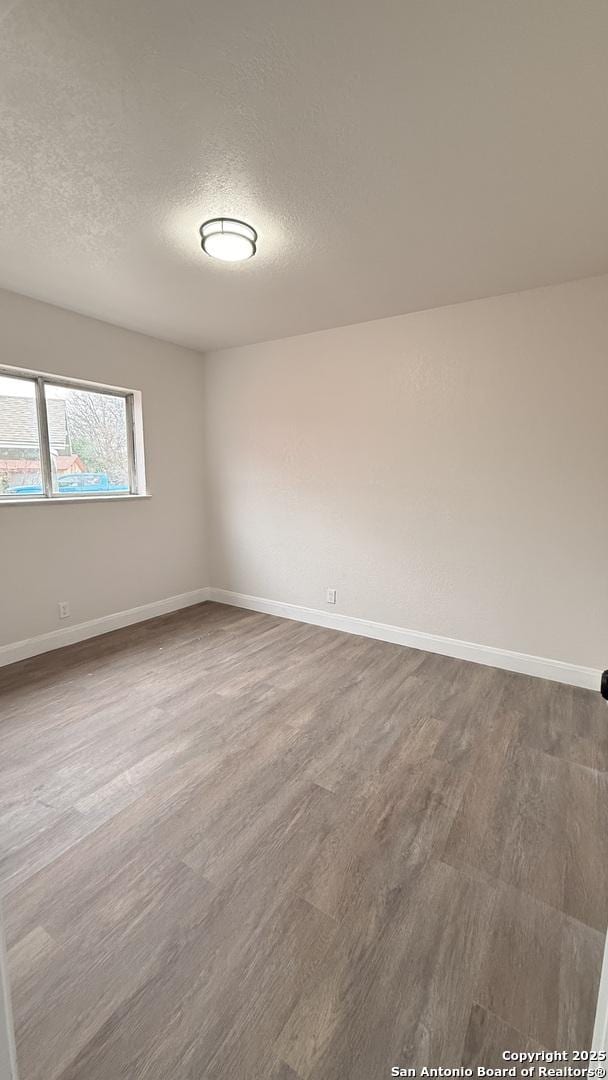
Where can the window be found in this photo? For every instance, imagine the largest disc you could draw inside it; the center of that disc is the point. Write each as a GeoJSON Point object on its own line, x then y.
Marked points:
{"type": "Point", "coordinates": [60, 438]}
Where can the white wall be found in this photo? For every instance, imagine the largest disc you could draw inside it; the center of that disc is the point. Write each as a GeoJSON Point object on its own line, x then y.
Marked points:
{"type": "Point", "coordinates": [106, 557]}
{"type": "Point", "coordinates": [446, 471]}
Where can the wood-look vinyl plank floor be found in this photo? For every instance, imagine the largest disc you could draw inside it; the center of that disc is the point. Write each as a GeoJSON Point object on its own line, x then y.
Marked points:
{"type": "Point", "coordinates": [487, 1037]}
{"type": "Point", "coordinates": [235, 846]}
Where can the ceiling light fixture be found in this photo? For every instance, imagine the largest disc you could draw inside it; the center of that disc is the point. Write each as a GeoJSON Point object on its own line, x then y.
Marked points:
{"type": "Point", "coordinates": [228, 239]}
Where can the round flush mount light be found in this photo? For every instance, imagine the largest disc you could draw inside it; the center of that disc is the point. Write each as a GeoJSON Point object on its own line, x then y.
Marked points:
{"type": "Point", "coordinates": [228, 239]}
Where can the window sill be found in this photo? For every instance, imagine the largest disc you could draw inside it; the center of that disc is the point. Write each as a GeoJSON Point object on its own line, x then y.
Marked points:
{"type": "Point", "coordinates": [57, 500]}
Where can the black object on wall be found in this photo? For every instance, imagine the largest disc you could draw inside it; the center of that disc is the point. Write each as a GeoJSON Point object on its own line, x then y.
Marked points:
{"type": "Point", "coordinates": [605, 685]}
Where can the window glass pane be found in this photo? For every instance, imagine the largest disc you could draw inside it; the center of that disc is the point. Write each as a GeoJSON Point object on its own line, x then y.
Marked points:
{"type": "Point", "coordinates": [20, 471]}
{"type": "Point", "coordinates": [88, 438]}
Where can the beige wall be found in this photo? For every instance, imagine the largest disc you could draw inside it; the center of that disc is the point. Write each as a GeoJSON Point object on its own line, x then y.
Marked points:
{"type": "Point", "coordinates": [446, 471]}
{"type": "Point", "coordinates": [106, 557]}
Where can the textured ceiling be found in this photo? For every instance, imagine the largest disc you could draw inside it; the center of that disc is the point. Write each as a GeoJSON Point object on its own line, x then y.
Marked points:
{"type": "Point", "coordinates": [392, 154]}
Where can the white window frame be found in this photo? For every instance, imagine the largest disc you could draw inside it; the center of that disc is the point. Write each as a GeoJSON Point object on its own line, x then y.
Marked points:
{"type": "Point", "coordinates": [135, 442]}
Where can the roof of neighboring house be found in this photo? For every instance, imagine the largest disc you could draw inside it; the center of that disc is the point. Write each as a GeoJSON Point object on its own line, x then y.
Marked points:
{"type": "Point", "coordinates": [19, 425]}
{"type": "Point", "coordinates": [63, 463]}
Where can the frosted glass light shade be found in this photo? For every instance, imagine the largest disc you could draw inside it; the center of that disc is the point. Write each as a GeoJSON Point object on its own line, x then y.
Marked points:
{"type": "Point", "coordinates": [228, 239]}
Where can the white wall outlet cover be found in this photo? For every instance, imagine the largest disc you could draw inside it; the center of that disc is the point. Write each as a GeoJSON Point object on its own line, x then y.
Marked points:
{"type": "Point", "coordinates": [331, 596]}
{"type": "Point", "coordinates": [64, 609]}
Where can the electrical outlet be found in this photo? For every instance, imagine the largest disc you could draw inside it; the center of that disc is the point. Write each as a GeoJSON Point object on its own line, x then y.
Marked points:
{"type": "Point", "coordinates": [331, 596]}
{"type": "Point", "coordinates": [64, 609]}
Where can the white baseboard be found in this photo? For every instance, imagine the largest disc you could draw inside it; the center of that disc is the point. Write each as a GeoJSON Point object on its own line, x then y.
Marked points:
{"type": "Point", "coordinates": [69, 635]}
{"type": "Point", "coordinates": [542, 668]}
